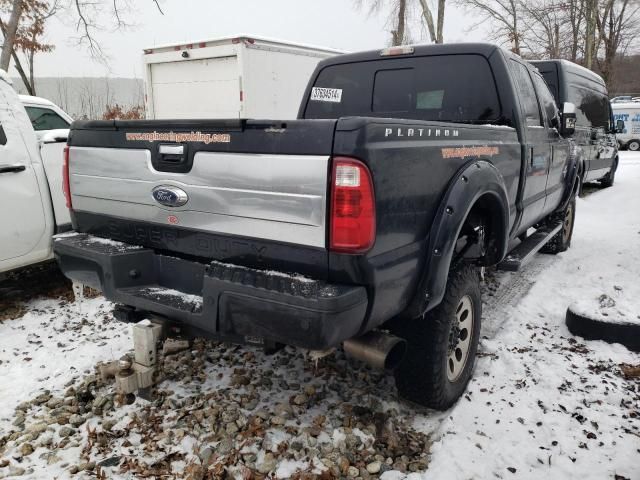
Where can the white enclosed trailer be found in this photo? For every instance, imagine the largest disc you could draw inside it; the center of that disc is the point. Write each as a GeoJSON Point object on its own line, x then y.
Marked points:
{"type": "Point", "coordinates": [233, 77]}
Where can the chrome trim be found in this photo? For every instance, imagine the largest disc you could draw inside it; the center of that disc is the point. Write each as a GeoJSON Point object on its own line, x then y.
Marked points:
{"type": "Point", "coordinates": [171, 149]}
{"type": "Point", "coordinates": [273, 197]}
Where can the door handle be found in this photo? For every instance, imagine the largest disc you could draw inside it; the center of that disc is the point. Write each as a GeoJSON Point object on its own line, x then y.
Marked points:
{"type": "Point", "coordinates": [531, 156]}
{"type": "Point", "coordinates": [12, 168]}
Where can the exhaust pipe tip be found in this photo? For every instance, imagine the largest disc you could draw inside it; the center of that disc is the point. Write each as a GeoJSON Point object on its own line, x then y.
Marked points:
{"type": "Point", "coordinates": [379, 350]}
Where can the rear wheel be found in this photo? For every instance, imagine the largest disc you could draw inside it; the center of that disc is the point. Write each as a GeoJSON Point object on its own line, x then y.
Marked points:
{"type": "Point", "coordinates": [608, 180]}
{"type": "Point", "coordinates": [442, 344]}
{"type": "Point", "coordinates": [634, 145]}
{"type": "Point", "coordinates": [561, 241]}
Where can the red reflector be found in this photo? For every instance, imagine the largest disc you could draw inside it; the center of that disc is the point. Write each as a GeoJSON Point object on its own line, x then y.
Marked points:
{"type": "Point", "coordinates": [66, 188]}
{"type": "Point", "coordinates": [202, 45]}
{"type": "Point", "coordinates": [353, 212]}
{"type": "Point", "coordinates": [241, 96]}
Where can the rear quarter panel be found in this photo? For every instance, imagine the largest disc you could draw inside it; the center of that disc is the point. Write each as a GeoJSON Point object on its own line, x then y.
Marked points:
{"type": "Point", "coordinates": [411, 163]}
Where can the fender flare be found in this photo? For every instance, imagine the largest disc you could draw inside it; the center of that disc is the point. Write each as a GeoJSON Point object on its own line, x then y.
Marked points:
{"type": "Point", "coordinates": [575, 175]}
{"type": "Point", "coordinates": [476, 179]}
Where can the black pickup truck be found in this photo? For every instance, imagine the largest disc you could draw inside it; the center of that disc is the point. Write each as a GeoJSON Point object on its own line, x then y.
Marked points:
{"type": "Point", "coordinates": [595, 135]}
{"type": "Point", "coordinates": [364, 223]}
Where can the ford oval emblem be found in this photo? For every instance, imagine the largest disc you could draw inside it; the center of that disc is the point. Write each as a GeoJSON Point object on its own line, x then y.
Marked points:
{"type": "Point", "coordinates": [170, 196]}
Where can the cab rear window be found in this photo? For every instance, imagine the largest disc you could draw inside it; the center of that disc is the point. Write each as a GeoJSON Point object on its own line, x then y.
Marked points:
{"type": "Point", "coordinates": [456, 88]}
{"type": "Point", "coordinates": [45, 119]}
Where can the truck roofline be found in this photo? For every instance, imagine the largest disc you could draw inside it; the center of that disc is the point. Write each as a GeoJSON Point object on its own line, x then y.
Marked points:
{"type": "Point", "coordinates": [480, 48]}
{"type": "Point", "coordinates": [579, 69]}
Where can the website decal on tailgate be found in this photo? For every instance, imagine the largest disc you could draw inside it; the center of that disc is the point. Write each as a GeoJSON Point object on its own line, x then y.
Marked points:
{"type": "Point", "coordinates": [326, 94]}
{"type": "Point", "coordinates": [179, 137]}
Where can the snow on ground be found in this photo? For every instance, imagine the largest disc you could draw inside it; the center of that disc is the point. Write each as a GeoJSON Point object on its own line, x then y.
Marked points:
{"type": "Point", "coordinates": [542, 403]}
{"type": "Point", "coordinates": [53, 344]}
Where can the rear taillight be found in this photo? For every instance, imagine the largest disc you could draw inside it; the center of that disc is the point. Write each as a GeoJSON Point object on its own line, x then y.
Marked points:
{"type": "Point", "coordinates": [353, 212]}
{"type": "Point", "coordinates": [65, 178]}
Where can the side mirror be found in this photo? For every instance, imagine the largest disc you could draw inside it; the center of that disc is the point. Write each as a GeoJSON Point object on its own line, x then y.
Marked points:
{"type": "Point", "coordinates": [55, 136]}
{"type": "Point", "coordinates": [619, 126]}
{"type": "Point", "coordinates": [568, 127]}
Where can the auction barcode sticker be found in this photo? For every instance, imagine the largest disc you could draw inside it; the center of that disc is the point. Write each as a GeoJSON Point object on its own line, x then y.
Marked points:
{"type": "Point", "coordinates": [326, 94]}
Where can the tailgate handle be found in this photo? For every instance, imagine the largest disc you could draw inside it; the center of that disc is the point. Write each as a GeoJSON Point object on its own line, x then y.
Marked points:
{"type": "Point", "coordinates": [172, 157]}
{"type": "Point", "coordinates": [171, 150]}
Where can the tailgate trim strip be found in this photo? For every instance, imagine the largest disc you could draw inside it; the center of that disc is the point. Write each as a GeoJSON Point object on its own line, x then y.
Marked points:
{"type": "Point", "coordinates": [268, 196]}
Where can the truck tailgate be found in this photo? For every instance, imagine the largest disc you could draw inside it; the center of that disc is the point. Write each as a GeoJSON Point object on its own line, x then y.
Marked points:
{"type": "Point", "coordinates": [248, 179]}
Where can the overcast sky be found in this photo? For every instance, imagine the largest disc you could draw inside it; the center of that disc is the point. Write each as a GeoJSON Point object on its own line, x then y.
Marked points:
{"type": "Point", "coordinates": [330, 23]}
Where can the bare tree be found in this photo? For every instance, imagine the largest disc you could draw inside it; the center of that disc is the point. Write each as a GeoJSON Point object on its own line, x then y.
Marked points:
{"type": "Point", "coordinates": [505, 15]}
{"type": "Point", "coordinates": [28, 38]}
{"type": "Point", "coordinates": [435, 31]}
{"type": "Point", "coordinates": [590, 50]}
{"type": "Point", "coordinates": [26, 24]}
{"type": "Point", "coordinates": [575, 17]}
{"type": "Point", "coordinates": [547, 31]}
{"type": "Point", "coordinates": [618, 26]}
{"type": "Point", "coordinates": [9, 33]}
{"type": "Point", "coordinates": [402, 11]}
{"type": "Point", "coordinates": [62, 92]}
{"type": "Point", "coordinates": [95, 16]}
{"type": "Point", "coordinates": [398, 35]}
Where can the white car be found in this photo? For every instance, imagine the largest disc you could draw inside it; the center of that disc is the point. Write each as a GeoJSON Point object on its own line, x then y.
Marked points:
{"type": "Point", "coordinates": [33, 207]}
{"type": "Point", "coordinates": [45, 115]}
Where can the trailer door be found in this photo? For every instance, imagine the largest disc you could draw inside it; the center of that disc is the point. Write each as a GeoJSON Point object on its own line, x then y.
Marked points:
{"type": "Point", "coordinates": [204, 88]}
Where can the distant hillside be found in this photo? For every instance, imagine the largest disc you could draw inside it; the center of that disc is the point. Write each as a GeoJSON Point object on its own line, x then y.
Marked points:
{"type": "Point", "coordinates": [88, 97]}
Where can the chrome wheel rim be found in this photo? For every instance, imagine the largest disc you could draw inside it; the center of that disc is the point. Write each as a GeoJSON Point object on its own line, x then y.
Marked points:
{"type": "Point", "coordinates": [634, 146]}
{"type": "Point", "coordinates": [567, 224]}
{"type": "Point", "coordinates": [460, 338]}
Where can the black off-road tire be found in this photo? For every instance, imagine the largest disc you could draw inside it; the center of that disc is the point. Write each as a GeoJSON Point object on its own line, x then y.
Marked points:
{"type": "Point", "coordinates": [594, 328]}
{"type": "Point", "coordinates": [610, 177]}
{"type": "Point", "coordinates": [562, 240]}
{"type": "Point", "coordinates": [425, 375]}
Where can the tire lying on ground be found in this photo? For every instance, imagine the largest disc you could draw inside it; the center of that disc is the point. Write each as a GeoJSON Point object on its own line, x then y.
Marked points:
{"type": "Point", "coordinates": [604, 324]}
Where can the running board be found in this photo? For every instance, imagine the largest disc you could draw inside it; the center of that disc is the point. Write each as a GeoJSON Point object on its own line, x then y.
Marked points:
{"type": "Point", "coordinates": [524, 252]}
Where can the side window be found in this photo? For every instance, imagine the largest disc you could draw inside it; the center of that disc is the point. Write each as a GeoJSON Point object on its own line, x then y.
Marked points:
{"type": "Point", "coordinates": [3, 136]}
{"type": "Point", "coordinates": [592, 108]}
{"type": "Point", "coordinates": [45, 119]}
{"type": "Point", "coordinates": [527, 94]}
{"type": "Point", "coordinates": [546, 99]}
{"type": "Point", "coordinates": [602, 113]}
